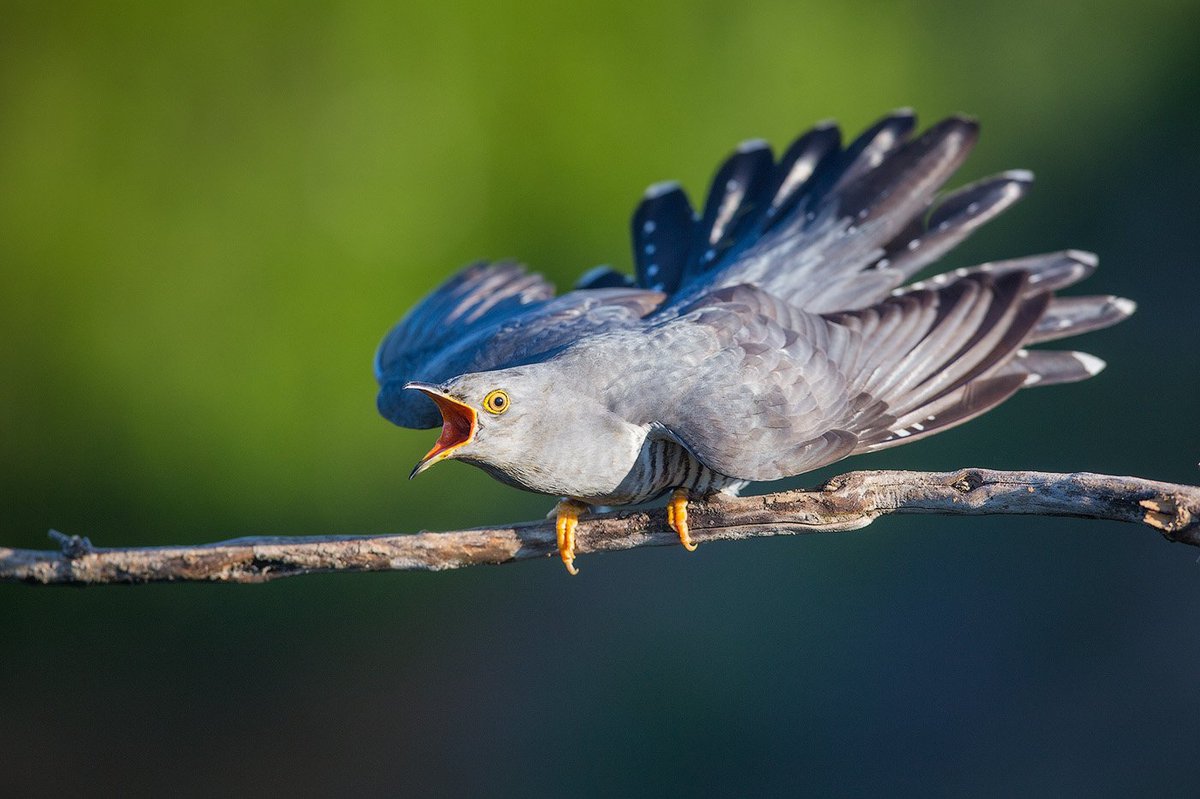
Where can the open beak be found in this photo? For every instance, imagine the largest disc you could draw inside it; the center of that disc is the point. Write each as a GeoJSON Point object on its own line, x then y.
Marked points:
{"type": "Point", "coordinates": [458, 426]}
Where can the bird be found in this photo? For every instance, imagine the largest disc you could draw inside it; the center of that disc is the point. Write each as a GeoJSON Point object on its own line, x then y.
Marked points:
{"type": "Point", "coordinates": [775, 329]}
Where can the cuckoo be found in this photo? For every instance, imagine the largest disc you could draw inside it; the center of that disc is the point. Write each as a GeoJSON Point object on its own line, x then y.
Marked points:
{"type": "Point", "coordinates": [776, 329]}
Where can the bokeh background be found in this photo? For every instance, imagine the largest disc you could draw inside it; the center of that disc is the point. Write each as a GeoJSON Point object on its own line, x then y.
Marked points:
{"type": "Point", "coordinates": [211, 212]}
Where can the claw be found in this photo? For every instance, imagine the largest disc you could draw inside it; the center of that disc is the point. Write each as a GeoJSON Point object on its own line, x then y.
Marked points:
{"type": "Point", "coordinates": [567, 513]}
{"type": "Point", "coordinates": [677, 517]}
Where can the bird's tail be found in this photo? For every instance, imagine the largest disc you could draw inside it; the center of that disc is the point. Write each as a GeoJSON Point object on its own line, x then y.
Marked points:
{"type": "Point", "coordinates": [826, 227]}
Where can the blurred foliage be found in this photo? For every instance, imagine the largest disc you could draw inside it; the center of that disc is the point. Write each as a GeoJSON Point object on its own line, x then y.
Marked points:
{"type": "Point", "coordinates": [210, 213]}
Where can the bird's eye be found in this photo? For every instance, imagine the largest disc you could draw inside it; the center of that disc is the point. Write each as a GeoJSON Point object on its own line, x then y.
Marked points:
{"type": "Point", "coordinates": [496, 402]}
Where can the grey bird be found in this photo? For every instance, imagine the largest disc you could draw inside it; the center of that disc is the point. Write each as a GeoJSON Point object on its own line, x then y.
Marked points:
{"type": "Point", "coordinates": [773, 332]}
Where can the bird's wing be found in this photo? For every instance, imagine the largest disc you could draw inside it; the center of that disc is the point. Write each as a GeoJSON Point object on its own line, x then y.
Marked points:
{"type": "Point", "coordinates": [542, 330]}
{"type": "Point", "coordinates": [490, 316]}
{"type": "Point", "coordinates": [771, 391]}
{"type": "Point", "coordinates": [478, 296]}
{"type": "Point", "coordinates": [826, 227]}
{"type": "Point", "coordinates": [751, 386]}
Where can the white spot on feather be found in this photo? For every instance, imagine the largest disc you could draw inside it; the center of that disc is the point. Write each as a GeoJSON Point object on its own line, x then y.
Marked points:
{"type": "Point", "coordinates": [1124, 305]}
{"type": "Point", "coordinates": [1084, 257]}
{"type": "Point", "coordinates": [648, 227]}
{"type": "Point", "coordinates": [1090, 363]}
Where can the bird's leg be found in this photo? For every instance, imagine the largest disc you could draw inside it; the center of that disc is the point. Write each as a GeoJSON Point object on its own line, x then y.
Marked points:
{"type": "Point", "coordinates": [566, 520]}
{"type": "Point", "coordinates": [677, 517]}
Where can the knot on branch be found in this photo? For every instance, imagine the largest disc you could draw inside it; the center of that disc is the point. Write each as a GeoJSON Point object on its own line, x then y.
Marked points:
{"type": "Point", "coordinates": [73, 546]}
{"type": "Point", "coordinates": [968, 480]}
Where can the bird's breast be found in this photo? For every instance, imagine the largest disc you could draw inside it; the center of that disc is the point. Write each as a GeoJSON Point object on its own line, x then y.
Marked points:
{"type": "Point", "coordinates": [663, 465]}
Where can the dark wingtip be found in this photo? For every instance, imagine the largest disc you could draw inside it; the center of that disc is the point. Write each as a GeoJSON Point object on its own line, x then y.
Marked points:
{"type": "Point", "coordinates": [965, 126]}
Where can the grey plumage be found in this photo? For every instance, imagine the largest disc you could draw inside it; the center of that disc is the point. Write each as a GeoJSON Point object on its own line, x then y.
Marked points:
{"type": "Point", "coordinates": [772, 333]}
{"type": "Point", "coordinates": [485, 317]}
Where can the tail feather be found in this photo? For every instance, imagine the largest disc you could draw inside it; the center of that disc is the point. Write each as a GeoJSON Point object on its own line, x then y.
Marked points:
{"type": "Point", "coordinates": [825, 258]}
{"type": "Point", "coordinates": [837, 230]}
{"type": "Point", "coordinates": [1048, 272]}
{"type": "Point", "coordinates": [868, 150]}
{"type": "Point", "coordinates": [811, 227]}
{"type": "Point", "coordinates": [1071, 316]}
{"type": "Point", "coordinates": [959, 215]}
{"type": "Point", "coordinates": [883, 200]}
{"type": "Point", "coordinates": [1051, 367]}
{"type": "Point", "coordinates": [807, 157]}
{"type": "Point", "coordinates": [741, 192]}
{"type": "Point", "coordinates": [662, 237]}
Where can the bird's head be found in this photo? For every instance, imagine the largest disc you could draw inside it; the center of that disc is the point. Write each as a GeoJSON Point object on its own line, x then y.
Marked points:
{"type": "Point", "coordinates": [488, 418]}
{"type": "Point", "coordinates": [541, 427]}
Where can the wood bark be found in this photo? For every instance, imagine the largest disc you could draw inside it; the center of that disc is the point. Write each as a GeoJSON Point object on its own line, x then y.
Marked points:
{"type": "Point", "coordinates": [848, 502]}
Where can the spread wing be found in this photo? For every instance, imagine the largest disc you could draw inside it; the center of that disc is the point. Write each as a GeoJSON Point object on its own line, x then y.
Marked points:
{"type": "Point", "coordinates": [826, 227]}
{"type": "Point", "coordinates": [489, 316]}
{"type": "Point", "coordinates": [770, 390]}
{"type": "Point", "coordinates": [477, 296]}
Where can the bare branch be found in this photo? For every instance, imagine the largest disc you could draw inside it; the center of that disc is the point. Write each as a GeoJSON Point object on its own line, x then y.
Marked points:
{"type": "Point", "coordinates": [848, 502]}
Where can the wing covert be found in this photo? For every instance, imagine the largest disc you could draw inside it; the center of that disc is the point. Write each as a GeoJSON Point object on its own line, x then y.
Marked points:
{"type": "Point", "coordinates": [477, 296]}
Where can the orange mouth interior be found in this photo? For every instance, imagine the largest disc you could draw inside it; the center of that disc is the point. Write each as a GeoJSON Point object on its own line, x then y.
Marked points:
{"type": "Point", "coordinates": [458, 425]}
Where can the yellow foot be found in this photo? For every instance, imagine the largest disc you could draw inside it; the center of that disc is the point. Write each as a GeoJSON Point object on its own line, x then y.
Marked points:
{"type": "Point", "coordinates": [567, 513]}
{"type": "Point", "coordinates": [677, 517]}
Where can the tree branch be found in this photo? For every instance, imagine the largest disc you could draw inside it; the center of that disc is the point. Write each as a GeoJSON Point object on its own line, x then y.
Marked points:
{"type": "Point", "coordinates": [848, 502]}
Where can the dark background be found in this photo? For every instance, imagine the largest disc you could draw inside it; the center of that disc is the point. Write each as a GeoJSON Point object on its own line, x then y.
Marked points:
{"type": "Point", "coordinates": [210, 213]}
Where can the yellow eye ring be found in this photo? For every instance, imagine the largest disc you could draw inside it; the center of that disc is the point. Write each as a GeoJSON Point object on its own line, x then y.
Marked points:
{"type": "Point", "coordinates": [496, 402]}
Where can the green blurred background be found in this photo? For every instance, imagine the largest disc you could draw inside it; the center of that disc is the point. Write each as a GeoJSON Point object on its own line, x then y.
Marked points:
{"type": "Point", "coordinates": [210, 213]}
